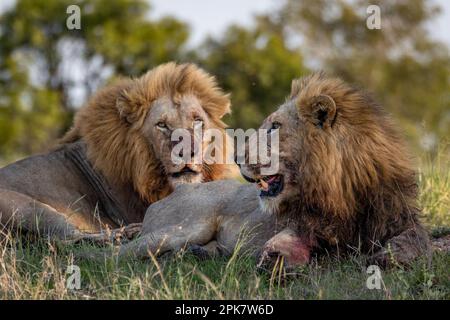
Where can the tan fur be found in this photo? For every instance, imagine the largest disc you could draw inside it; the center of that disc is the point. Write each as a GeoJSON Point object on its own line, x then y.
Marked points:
{"type": "Point", "coordinates": [111, 125]}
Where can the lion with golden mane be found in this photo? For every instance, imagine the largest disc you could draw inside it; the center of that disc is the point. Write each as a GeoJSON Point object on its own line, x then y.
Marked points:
{"type": "Point", "coordinates": [116, 160]}
{"type": "Point", "coordinates": [345, 184]}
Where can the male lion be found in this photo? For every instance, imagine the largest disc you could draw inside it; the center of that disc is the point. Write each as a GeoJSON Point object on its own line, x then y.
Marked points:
{"type": "Point", "coordinates": [116, 160]}
{"type": "Point", "coordinates": [345, 183]}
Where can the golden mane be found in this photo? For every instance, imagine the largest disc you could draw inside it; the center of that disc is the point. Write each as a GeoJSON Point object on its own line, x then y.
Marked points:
{"type": "Point", "coordinates": [110, 125]}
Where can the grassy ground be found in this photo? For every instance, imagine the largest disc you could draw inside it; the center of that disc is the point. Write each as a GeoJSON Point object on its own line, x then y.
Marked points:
{"type": "Point", "coordinates": [38, 270]}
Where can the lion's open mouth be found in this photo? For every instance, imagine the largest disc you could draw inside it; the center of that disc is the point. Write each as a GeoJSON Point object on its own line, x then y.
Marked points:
{"type": "Point", "coordinates": [186, 171]}
{"type": "Point", "coordinates": [270, 186]}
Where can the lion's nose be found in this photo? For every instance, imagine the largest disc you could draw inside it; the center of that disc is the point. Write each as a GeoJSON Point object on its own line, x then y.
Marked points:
{"type": "Point", "coordinates": [192, 149]}
{"type": "Point", "coordinates": [181, 154]}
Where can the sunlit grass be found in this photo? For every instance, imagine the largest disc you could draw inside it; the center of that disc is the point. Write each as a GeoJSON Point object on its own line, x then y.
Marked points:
{"type": "Point", "coordinates": [434, 181]}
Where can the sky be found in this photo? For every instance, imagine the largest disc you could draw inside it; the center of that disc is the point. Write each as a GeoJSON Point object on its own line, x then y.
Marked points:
{"type": "Point", "coordinates": [211, 17]}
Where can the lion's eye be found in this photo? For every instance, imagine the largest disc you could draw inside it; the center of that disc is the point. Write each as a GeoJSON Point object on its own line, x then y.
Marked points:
{"type": "Point", "coordinates": [161, 125]}
{"type": "Point", "coordinates": [275, 126]}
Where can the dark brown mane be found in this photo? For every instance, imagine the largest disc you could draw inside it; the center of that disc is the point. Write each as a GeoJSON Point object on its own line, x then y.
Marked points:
{"type": "Point", "coordinates": [358, 182]}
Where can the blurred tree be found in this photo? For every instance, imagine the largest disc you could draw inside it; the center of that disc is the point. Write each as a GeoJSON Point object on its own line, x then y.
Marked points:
{"type": "Point", "coordinates": [256, 66]}
{"type": "Point", "coordinates": [45, 68]}
{"type": "Point", "coordinates": [401, 64]}
{"type": "Point", "coordinates": [29, 115]}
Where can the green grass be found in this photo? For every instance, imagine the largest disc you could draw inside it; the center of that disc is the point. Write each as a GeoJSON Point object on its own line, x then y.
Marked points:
{"type": "Point", "coordinates": [37, 270]}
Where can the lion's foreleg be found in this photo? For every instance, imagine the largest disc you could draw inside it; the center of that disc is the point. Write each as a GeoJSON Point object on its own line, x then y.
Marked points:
{"type": "Point", "coordinates": [171, 238]}
{"type": "Point", "coordinates": [22, 213]}
{"type": "Point", "coordinates": [108, 236]}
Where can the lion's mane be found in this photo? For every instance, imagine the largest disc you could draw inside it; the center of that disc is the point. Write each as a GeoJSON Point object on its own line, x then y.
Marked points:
{"type": "Point", "coordinates": [110, 125]}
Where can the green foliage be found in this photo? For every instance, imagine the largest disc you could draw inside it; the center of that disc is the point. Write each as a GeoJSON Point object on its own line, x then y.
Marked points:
{"type": "Point", "coordinates": [44, 66]}
{"type": "Point", "coordinates": [121, 33]}
{"type": "Point", "coordinates": [256, 66]}
{"type": "Point", "coordinates": [29, 115]}
{"type": "Point", "coordinates": [42, 62]}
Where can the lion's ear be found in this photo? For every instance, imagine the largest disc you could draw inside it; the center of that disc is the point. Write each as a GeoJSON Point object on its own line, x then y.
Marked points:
{"type": "Point", "coordinates": [322, 110]}
{"type": "Point", "coordinates": [123, 105]}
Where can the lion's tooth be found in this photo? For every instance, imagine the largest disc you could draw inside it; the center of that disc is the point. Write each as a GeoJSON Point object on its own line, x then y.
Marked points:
{"type": "Point", "coordinates": [264, 185]}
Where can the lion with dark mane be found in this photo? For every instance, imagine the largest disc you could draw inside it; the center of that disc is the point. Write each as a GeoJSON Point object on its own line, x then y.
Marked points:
{"type": "Point", "coordinates": [116, 160]}
{"type": "Point", "coordinates": [345, 184]}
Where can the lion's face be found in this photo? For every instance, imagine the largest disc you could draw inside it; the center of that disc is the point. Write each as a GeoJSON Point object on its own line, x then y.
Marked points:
{"type": "Point", "coordinates": [310, 159]}
{"type": "Point", "coordinates": [283, 185]}
{"type": "Point", "coordinates": [165, 116]}
{"type": "Point", "coordinates": [128, 126]}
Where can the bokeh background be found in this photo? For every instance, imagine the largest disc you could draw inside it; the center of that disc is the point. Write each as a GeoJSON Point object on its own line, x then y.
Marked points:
{"type": "Point", "coordinates": [47, 71]}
